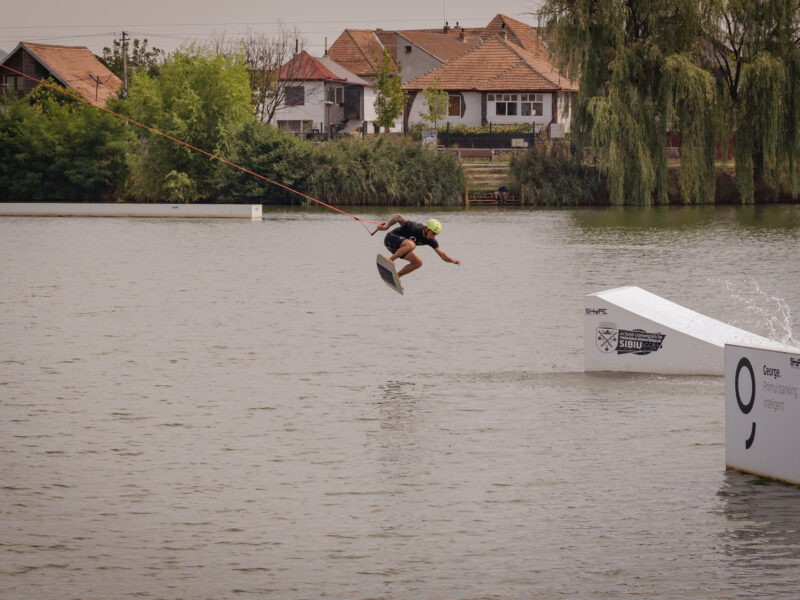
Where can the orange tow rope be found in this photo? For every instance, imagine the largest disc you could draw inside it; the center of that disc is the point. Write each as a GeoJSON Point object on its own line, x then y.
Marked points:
{"type": "Point", "coordinates": [209, 154]}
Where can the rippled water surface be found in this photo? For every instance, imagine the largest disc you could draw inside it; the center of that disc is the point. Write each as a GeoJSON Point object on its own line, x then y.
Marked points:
{"type": "Point", "coordinates": [217, 409]}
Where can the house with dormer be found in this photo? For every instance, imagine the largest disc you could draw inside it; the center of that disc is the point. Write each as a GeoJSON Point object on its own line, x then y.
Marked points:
{"type": "Point", "coordinates": [74, 67]}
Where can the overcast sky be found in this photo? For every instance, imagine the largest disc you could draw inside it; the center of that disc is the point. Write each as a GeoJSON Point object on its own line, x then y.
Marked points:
{"type": "Point", "coordinates": [169, 23]}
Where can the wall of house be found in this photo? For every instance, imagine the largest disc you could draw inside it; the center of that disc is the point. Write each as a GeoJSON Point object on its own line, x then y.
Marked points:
{"type": "Point", "coordinates": [416, 62]}
{"type": "Point", "coordinates": [472, 111]}
{"type": "Point", "coordinates": [368, 112]}
{"type": "Point", "coordinates": [544, 119]}
{"type": "Point", "coordinates": [16, 85]}
{"type": "Point", "coordinates": [312, 109]}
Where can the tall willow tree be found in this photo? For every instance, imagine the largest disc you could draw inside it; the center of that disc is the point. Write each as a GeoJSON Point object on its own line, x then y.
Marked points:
{"type": "Point", "coordinates": [755, 50]}
{"type": "Point", "coordinates": [635, 63]}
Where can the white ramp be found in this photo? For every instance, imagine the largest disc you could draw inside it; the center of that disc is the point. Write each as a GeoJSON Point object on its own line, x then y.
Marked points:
{"type": "Point", "coordinates": [631, 329]}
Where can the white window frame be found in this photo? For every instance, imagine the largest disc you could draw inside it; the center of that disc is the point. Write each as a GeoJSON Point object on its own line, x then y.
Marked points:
{"type": "Point", "coordinates": [532, 105]}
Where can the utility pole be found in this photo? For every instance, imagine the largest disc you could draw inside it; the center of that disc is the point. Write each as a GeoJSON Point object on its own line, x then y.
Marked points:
{"type": "Point", "coordinates": [124, 64]}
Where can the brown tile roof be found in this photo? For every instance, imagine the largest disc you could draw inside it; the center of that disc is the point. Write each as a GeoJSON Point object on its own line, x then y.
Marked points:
{"type": "Point", "coordinates": [533, 39]}
{"type": "Point", "coordinates": [304, 67]}
{"type": "Point", "coordinates": [444, 46]}
{"type": "Point", "coordinates": [72, 66]}
{"type": "Point", "coordinates": [389, 40]}
{"type": "Point", "coordinates": [357, 50]}
{"type": "Point", "coordinates": [496, 65]}
{"type": "Point", "coordinates": [518, 32]}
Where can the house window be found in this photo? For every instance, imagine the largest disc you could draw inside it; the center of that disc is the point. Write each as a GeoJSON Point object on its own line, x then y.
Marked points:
{"type": "Point", "coordinates": [408, 49]}
{"type": "Point", "coordinates": [295, 95]}
{"type": "Point", "coordinates": [532, 105]}
{"type": "Point", "coordinates": [336, 95]}
{"type": "Point", "coordinates": [505, 104]}
{"type": "Point", "coordinates": [454, 106]}
{"type": "Point", "coordinates": [297, 126]}
{"type": "Point", "coordinates": [14, 83]}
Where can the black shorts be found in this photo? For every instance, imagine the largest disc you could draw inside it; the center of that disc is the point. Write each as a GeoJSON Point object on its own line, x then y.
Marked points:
{"type": "Point", "coordinates": [392, 241]}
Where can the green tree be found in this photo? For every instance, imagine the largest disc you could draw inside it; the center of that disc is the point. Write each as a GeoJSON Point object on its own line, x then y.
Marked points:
{"type": "Point", "coordinates": [437, 100]}
{"type": "Point", "coordinates": [56, 149]}
{"type": "Point", "coordinates": [755, 52]}
{"type": "Point", "coordinates": [638, 79]}
{"type": "Point", "coordinates": [390, 99]}
{"type": "Point", "coordinates": [268, 61]}
{"type": "Point", "coordinates": [140, 57]}
{"type": "Point", "coordinates": [200, 99]}
{"type": "Point", "coordinates": [274, 154]}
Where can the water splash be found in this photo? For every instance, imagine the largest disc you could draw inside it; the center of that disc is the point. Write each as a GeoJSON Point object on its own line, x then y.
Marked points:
{"type": "Point", "coordinates": [765, 311]}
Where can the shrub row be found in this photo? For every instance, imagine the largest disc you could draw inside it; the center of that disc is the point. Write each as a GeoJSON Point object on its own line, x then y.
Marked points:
{"type": "Point", "coordinates": [52, 149]}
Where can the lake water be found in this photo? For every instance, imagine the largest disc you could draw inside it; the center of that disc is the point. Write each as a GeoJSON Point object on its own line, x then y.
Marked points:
{"type": "Point", "coordinates": [234, 409]}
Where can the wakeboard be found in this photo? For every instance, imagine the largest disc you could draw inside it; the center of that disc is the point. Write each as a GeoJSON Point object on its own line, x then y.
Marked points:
{"type": "Point", "coordinates": [389, 274]}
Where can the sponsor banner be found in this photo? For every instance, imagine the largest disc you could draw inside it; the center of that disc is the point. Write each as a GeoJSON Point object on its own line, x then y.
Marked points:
{"type": "Point", "coordinates": [762, 412]}
{"type": "Point", "coordinates": [627, 341]}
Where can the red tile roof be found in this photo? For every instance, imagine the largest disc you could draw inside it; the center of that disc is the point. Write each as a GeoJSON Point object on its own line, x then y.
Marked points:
{"type": "Point", "coordinates": [73, 67]}
{"type": "Point", "coordinates": [444, 46]}
{"type": "Point", "coordinates": [304, 67]}
{"type": "Point", "coordinates": [518, 32]}
{"type": "Point", "coordinates": [389, 40]}
{"type": "Point", "coordinates": [357, 50]}
{"type": "Point", "coordinates": [497, 65]}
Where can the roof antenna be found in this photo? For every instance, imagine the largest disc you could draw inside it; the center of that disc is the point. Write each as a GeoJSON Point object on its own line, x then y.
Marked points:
{"type": "Point", "coordinates": [98, 83]}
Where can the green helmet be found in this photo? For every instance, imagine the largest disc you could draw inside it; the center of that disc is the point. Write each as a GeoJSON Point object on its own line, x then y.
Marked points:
{"type": "Point", "coordinates": [434, 226]}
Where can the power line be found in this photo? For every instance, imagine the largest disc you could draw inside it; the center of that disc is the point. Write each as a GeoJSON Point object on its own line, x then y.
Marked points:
{"type": "Point", "coordinates": [418, 20]}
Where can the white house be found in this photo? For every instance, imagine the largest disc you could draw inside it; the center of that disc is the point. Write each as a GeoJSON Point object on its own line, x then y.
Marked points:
{"type": "Point", "coordinates": [502, 73]}
{"type": "Point", "coordinates": [497, 82]}
{"type": "Point", "coordinates": [322, 96]}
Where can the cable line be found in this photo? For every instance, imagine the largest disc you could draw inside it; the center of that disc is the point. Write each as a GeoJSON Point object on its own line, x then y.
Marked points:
{"type": "Point", "coordinates": [196, 149]}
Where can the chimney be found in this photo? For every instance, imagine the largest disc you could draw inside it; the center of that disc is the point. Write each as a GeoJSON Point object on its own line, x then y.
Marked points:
{"type": "Point", "coordinates": [326, 45]}
{"type": "Point", "coordinates": [461, 35]}
{"type": "Point", "coordinates": [446, 27]}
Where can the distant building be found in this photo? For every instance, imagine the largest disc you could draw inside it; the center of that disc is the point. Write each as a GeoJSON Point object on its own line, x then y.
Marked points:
{"type": "Point", "coordinates": [74, 67]}
{"type": "Point", "coordinates": [321, 96]}
{"type": "Point", "coordinates": [497, 82]}
{"type": "Point", "coordinates": [503, 73]}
